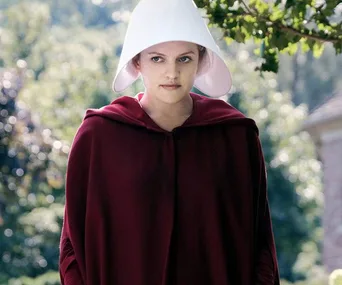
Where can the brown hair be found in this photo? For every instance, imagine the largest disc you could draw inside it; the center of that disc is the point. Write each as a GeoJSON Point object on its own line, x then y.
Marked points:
{"type": "Point", "coordinates": [202, 51]}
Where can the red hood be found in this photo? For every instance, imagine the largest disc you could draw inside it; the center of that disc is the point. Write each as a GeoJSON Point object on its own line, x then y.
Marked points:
{"type": "Point", "coordinates": [206, 111]}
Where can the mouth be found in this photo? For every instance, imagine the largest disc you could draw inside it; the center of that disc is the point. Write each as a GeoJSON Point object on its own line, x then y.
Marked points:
{"type": "Point", "coordinates": [171, 87]}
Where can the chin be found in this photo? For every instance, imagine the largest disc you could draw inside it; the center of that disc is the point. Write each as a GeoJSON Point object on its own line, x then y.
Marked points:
{"type": "Point", "coordinates": [172, 97]}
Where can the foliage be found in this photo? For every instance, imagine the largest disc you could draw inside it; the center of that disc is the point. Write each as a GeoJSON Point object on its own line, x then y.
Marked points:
{"type": "Point", "coordinates": [70, 13]}
{"type": "Point", "coordinates": [53, 71]}
{"type": "Point", "coordinates": [48, 278]}
{"type": "Point", "coordinates": [68, 70]}
{"type": "Point", "coordinates": [31, 178]}
{"type": "Point", "coordinates": [278, 26]}
{"type": "Point", "coordinates": [60, 70]}
{"type": "Point", "coordinates": [310, 80]}
{"type": "Point", "coordinates": [293, 172]}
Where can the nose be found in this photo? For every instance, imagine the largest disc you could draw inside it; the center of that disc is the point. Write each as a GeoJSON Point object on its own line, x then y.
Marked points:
{"type": "Point", "coordinates": [172, 71]}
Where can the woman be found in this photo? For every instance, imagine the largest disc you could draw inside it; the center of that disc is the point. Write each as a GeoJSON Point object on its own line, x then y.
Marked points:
{"type": "Point", "coordinates": [167, 187]}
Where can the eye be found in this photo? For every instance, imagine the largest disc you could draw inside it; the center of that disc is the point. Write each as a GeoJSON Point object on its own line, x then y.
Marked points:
{"type": "Point", "coordinates": [155, 58]}
{"type": "Point", "coordinates": [184, 59]}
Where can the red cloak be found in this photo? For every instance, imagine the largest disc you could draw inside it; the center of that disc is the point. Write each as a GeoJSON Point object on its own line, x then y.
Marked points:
{"type": "Point", "coordinates": [149, 207]}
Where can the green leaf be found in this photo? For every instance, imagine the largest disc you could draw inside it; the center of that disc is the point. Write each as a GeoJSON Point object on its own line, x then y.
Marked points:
{"type": "Point", "coordinates": [318, 49]}
{"type": "Point", "coordinates": [271, 61]}
{"type": "Point", "coordinates": [338, 47]}
{"type": "Point", "coordinates": [304, 45]}
{"type": "Point", "coordinates": [240, 36]}
{"type": "Point", "coordinates": [262, 48]}
{"type": "Point", "coordinates": [311, 43]}
{"type": "Point", "coordinates": [228, 40]}
{"type": "Point", "coordinates": [232, 23]}
{"type": "Point", "coordinates": [330, 7]}
{"type": "Point", "coordinates": [265, 20]}
{"type": "Point", "coordinates": [259, 5]}
{"type": "Point", "coordinates": [290, 3]}
{"type": "Point", "coordinates": [291, 49]}
{"type": "Point", "coordinates": [279, 39]}
{"type": "Point", "coordinates": [277, 14]}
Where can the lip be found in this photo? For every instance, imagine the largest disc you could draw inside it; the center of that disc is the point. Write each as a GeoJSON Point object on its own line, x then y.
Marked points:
{"type": "Point", "coordinates": [171, 87]}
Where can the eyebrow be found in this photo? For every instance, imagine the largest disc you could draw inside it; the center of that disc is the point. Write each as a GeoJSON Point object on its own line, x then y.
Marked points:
{"type": "Point", "coordinates": [158, 53]}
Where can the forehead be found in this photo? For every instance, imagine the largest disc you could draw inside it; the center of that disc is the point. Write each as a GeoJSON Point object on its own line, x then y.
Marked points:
{"type": "Point", "coordinates": [173, 47]}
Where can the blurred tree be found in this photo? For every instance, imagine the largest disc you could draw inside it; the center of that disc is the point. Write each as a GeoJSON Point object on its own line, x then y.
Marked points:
{"type": "Point", "coordinates": [68, 69]}
{"type": "Point", "coordinates": [26, 24]}
{"type": "Point", "coordinates": [309, 80]}
{"type": "Point", "coordinates": [313, 80]}
{"type": "Point", "coordinates": [48, 278]}
{"type": "Point", "coordinates": [293, 173]}
{"type": "Point", "coordinates": [78, 12]}
{"type": "Point", "coordinates": [31, 161]}
{"type": "Point", "coordinates": [77, 73]}
{"type": "Point", "coordinates": [278, 26]}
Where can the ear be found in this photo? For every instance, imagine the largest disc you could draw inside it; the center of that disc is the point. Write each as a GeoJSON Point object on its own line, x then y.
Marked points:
{"type": "Point", "coordinates": [136, 62]}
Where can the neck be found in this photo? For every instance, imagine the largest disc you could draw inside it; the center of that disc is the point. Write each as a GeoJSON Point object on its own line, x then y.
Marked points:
{"type": "Point", "coordinates": [159, 109]}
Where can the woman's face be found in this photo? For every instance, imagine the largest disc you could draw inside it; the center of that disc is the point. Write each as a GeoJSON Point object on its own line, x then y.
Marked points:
{"type": "Point", "coordinates": [169, 63]}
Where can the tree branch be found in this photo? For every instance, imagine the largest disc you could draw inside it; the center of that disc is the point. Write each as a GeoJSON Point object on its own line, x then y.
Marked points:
{"type": "Point", "coordinates": [312, 36]}
{"type": "Point", "coordinates": [246, 6]}
{"type": "Point", "coordinates": [289, 29]}
{"type": "Point", "coordinates": [293, 30]}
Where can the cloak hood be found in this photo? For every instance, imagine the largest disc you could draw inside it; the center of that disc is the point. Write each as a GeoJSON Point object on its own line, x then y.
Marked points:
{"type": "Point", "coordinates": [206, 111]}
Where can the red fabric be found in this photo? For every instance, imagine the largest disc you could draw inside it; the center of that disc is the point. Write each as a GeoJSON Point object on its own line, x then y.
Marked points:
{"type": "Point", "coordinates": [149, 207]}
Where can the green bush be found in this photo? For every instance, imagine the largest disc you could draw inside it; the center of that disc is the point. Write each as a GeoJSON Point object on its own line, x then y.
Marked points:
{"type": "Point", "coordinates": [49, 278]}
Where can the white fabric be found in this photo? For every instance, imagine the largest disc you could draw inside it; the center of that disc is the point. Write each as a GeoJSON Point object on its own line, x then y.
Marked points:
{"type": "Point", "coordinates": [157, 21]}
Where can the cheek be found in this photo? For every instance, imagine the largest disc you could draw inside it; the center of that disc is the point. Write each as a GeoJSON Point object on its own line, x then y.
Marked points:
{"type": "Point", "coordinates": [147, 71]}
{"type": "Point", "coordinates": [151, 76]}
{"type": "Point", "coordinates": [189, 73]}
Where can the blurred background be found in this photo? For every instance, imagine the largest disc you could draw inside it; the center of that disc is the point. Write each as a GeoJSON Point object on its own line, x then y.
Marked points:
{"type": "Point", "coordinates": [58, 58]}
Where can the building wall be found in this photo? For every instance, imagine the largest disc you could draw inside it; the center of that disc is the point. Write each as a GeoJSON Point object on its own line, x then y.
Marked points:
{"type": "Point", "coordinates": [331, 156]}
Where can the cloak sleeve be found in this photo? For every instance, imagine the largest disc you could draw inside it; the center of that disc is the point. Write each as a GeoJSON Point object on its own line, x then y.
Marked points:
{"type": "Point", "coordinates": [68, 267]}
{"type": "Point", "coordinates": [266, 265]}
{"type": "Point", "coordinates": [72, 256]}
